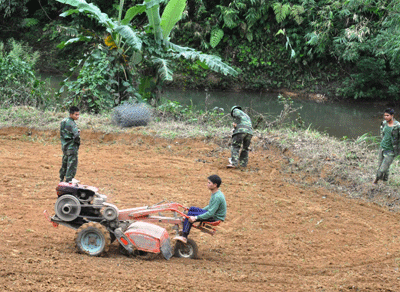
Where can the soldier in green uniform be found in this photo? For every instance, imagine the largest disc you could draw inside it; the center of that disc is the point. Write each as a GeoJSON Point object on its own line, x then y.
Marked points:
{"type": "Point", "coordinates": [70, 141]}
{"type": "Point", "coordinates": [242, 134]}
{"type": "Point", "coordinates": [389, 148]}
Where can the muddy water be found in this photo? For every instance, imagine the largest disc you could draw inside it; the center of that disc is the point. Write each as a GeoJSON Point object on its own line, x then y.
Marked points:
{"type": "Point", "coordinates": [337, 119]}
{"type": "Point", "coordinates": [340, 120]}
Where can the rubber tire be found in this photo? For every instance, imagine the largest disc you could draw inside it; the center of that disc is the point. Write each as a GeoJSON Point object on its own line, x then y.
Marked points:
{"type": "Point", "coordinates": [188, 250]}
{"type": "Point", "coordinates": [101, 234]}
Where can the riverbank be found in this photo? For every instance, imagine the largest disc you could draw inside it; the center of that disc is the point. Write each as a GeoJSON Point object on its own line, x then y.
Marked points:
{"type": "Point", "coordinates": [345, 166]}
{"type": "Point", "coordinates": [315, 110]}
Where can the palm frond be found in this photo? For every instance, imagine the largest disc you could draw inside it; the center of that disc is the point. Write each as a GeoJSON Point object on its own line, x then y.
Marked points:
{"type": "Point", "coordinates": [296, 10]}
{"type": "Point", "coordinates": [213, 62]}
{"type": "Point", "coordinates": [132, 12]}
{"type": "Point", "coordinates": [151, 3]}
{"type": "Point", "coordinates": [171, 15]}
{"type": "Point", "coordinates": [163, 70]}
{"type": "Point", "coordinates": [83, 6]}
{"type": "Point", "coordinates": [216, 36]}
{"type": "Point", "coordinates": [253, 15]}
{"type": "Point", "coordinates": [29, 22]}
{"type": "Point", "coordinates": [130, 36]}
{"type": "Point", "coordinates": [125, 31]}
{"type": "Point", "coordinates": [281, 11]}
{"type": "Point", "coordinates": [153, 15]}
{"type": "Point", "coordinates": [230, 16]}
{"type": "Point", "coordinates": [74, 40]}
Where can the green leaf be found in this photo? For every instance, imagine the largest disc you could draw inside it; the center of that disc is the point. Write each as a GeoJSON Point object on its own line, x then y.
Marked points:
{"type": "Point", "coordinates": [69, 12]}
{"type": "Point", "coordinates": [132, 12]}
{"type": "Point", "coordinates": [230, 16]}
{"type": "Point", "coordinates": [163, 69]}
{"type": "Point", "coordinates": [281, 11]}
{"type": "Point", "coordinates": [151, 3]}
{"type": "Point", "coordinates": [153, 15]}
{"type": "Point", "coordinates": [213, 62]}
{"type": "Point", "coordinates": [29, 22]}
{"type": "Point", "coordinates": [130, 36]}
{"type": "Point", "coordinates": [249, 36]}
{"type": "Point", "coordinates": [136, 58]}
{"type": "Point", "coordinates": [202, 65]}
{"type": "Point", "coordinates": [74, 40]}
{"type": "Point", "coordinates": [83, 6]}
{"type": "Point", "coordinates": [216, 36]}
{"type": "Point", "coordinates": [171, 15]}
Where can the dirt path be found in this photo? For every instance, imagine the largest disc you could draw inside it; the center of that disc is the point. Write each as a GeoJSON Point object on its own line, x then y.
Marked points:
{"type": "Point", "coordinates": [277, 236]}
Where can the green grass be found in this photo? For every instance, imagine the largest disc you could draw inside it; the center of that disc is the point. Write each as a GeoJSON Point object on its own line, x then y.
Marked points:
{"type": "Point", "coordinates": [342, 165]}
{"type": "Point", "coordinates": [50, 120]}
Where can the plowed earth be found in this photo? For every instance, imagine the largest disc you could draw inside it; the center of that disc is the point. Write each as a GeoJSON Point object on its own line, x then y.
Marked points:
{"type": "Point", "coordinates": [277, 236]}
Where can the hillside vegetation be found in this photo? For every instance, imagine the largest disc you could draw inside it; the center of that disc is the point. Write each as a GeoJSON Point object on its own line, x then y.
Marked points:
{"type": "Point", "coordinates": [342, 49]}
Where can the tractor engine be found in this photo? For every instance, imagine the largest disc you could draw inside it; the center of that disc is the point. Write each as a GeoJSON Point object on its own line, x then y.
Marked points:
{"type": "Point", "coordinates": [78, 204]}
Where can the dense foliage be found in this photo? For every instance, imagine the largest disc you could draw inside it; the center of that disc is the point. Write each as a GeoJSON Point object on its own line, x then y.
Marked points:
{"type": "Point", "coordinates": [131, 62]}
{"type": "Point", "coordinates": [304, 44]}
{"type": "Point", "coordinates": [19, 84]}
{"type": "Point", "coordinates": [344, 48]}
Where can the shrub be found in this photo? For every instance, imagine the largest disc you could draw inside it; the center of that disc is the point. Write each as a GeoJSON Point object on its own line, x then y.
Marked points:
{"type": "Point", "coordinates": [19, 83]}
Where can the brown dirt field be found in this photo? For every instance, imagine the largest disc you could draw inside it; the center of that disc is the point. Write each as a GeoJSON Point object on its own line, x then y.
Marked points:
{"type": "Point", "coordinates": [277, 236]}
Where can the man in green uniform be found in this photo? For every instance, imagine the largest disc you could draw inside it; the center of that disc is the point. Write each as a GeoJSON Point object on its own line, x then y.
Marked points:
{"type": "Point", "coordinates": [389, 148]}
{"type": "Point", "coordinates": [70, 141]}
{"type": "Point", "coordinates": [242, 134]}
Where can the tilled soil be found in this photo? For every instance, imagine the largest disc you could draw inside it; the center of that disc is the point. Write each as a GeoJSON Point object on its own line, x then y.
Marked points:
{"type": "Point", "coordinates": [277, 236]}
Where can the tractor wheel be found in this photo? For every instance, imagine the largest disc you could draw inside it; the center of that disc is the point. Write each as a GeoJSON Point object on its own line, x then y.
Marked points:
{"type": "Point", "coordinates": [92, 238]}
{"type": "Point", "coordinates": [188, 250]}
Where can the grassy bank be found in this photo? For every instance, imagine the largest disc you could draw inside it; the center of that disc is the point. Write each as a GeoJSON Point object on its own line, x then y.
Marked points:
{"type": "Point", "coordinates": [308, 156]}
{"type": "Point", "coordinates": [346, 166]}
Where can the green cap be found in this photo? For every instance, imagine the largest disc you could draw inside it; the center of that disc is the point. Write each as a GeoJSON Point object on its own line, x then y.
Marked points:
{"type": "Point", "coordinates": [235, 106]}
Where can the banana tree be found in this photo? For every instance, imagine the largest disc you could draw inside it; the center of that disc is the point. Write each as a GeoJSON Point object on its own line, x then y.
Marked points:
{"type": "Point", "coordinates": [146, 51]}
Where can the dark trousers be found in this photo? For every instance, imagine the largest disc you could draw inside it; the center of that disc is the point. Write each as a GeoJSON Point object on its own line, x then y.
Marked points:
{"type": "Point", "coordinates": [69, 165]}
{"type": "Point", "coordinates": [240, 157]}
{"type": "Point", "coordinates": [386, 158]}
{"type": "Point", "coordinates": [193, 211]}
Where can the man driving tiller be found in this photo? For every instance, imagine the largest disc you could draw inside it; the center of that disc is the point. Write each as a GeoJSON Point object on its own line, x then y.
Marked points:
{"type": "Point", "coordinates": [214, 211]}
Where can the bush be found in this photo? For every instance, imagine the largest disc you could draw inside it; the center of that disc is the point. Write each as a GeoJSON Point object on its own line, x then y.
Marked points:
{"type": "Point", "coordinates": [19, 84]}
{"type": "Point", "coordinates": [101, 83]}
{"type": "Point", "coordinates": [373, 79]}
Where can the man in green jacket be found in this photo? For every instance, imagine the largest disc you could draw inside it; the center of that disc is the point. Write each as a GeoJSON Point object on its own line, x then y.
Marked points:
{"type": "Point", "coordinates": [70, 141]}
{"type": "Point", "coordinates": [242, 134]}
{"type": "Point", "coordinates": [389, 148]}
{"type": "Point", "coordinates": [214, 211]}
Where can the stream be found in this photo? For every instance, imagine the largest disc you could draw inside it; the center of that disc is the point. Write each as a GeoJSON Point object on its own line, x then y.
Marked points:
{"type": "Point", "coordinates": [338, 119]}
